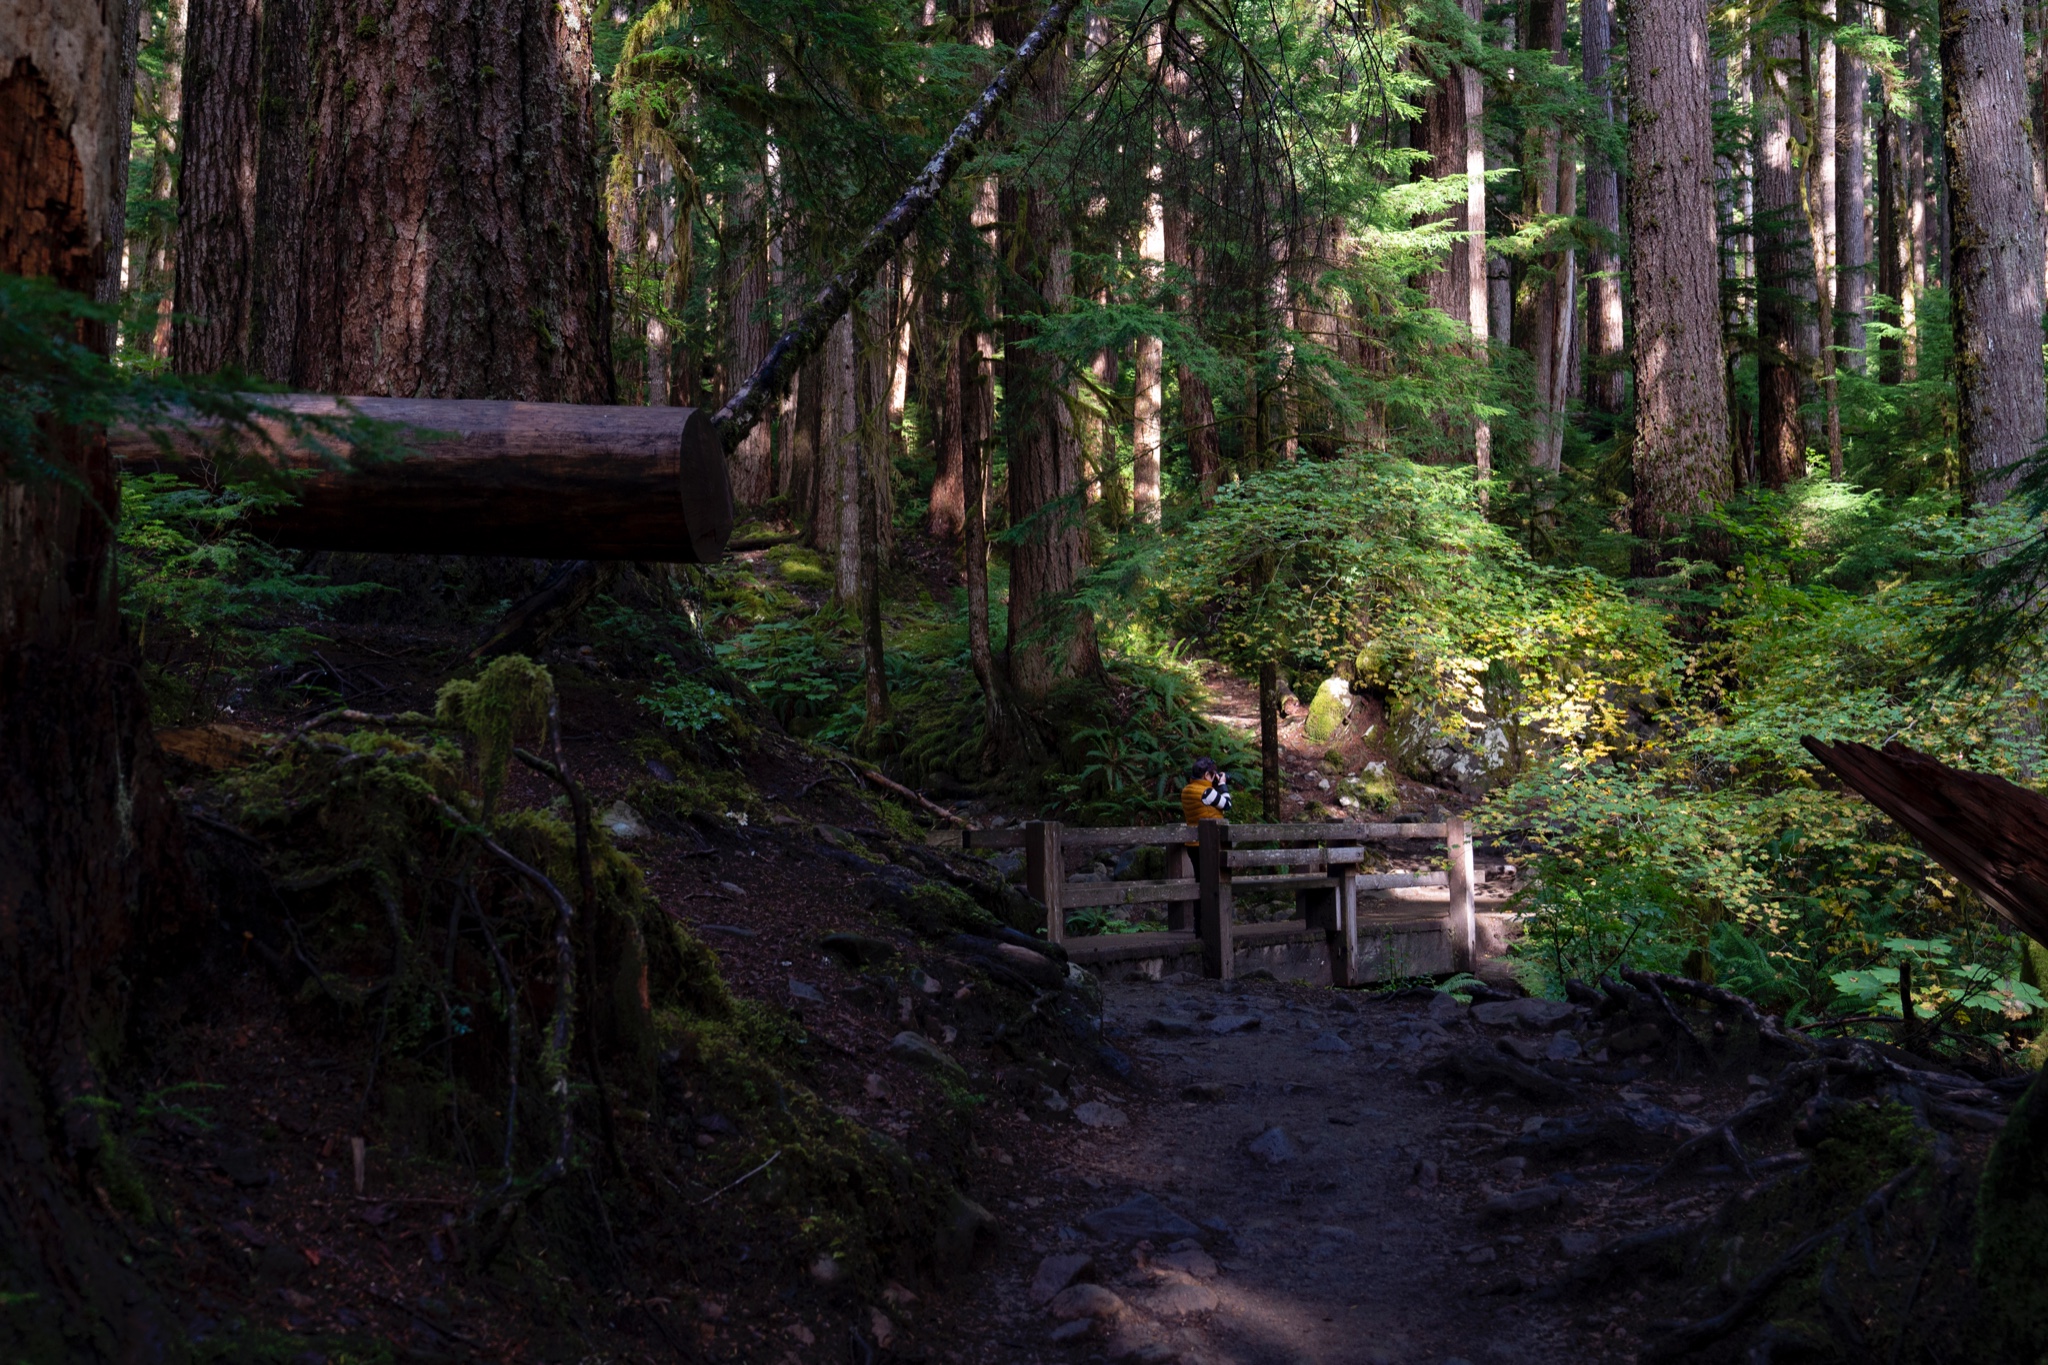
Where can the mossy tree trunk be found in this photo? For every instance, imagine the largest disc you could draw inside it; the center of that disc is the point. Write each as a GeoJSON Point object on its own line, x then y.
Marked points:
{"type": "Point", "coordinates": [91, 863]}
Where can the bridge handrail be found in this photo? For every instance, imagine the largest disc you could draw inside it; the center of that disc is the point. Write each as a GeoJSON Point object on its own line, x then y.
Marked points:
{"type": "Point", "coordinates": [1321, 867]}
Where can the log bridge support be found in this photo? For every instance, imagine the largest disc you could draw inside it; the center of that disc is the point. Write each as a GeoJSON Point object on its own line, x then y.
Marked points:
{"type": "Point", "coordinates": [1210, 864]}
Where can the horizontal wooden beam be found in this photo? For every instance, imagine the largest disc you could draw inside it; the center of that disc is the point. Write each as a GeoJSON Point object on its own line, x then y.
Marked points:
{"type": "Point", "coordinates": [1080, 895]}
{"type": "Point", "coordinates": [1282, 881]}
{"type": "Point", "coordinates": [1335, 832]}
{"type": "Point", "coordinates": [1391, 881]}
{"type": "Point", "coordinates": [1293, 857]}
{"type": "Point", "coordinates": [530, 480]}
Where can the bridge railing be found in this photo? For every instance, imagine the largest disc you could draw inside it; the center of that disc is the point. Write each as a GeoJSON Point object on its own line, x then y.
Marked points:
{"type": "Point", "coordinates": [1208, 864]}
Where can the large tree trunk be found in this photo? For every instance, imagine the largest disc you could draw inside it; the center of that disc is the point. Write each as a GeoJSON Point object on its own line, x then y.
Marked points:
{"type": "Point", "coordinates": [1890, 219]}
{"type": "Point", "coordinates": [939, 354]}
{"type": "Point", "coordinates": [1148, 398]}
{"type": "Point", "coordinates": [835, 504]}
{"type": "Point", "coordinates": [2001, 407]}
{"type": "Point", "coordinates": [1473, 89]}
{"type": "Point", "coordinates": [1546, 300]}
{"type": "Point", "coordinates": [1604, 335]}
{"type": "Point", "coordinates": [91, 860]}
{"type": "Point", "coordinates": [1913, 278]}
{"type": "Point", "coordinates": [1448, 288]}
{"type": "Point", "coordinates": [752, 476]}
{"type": "Point", "coordinates": [1049, 639]}
{"type": "Point", "coordinates": [1681, 437]}
{"type": "Point", "coordinates": [414, 215]}
{"type": "Point", "coordinates": [1852, 240]}
{"type": "Point", "coordinates": [1783, 277]}
{"type": "Point", "coordinates": [1197, 405]}
{"type": "Point", "coordinates": [1821, 189]}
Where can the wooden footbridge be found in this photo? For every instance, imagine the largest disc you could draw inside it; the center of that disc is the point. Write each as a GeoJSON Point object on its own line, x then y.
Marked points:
{"type": "Point", "coordinates": [1211, 866]}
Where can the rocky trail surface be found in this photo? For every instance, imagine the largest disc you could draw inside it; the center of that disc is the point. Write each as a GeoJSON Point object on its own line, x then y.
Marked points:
{"type": "Point", "coordinates": [1320, 1178]}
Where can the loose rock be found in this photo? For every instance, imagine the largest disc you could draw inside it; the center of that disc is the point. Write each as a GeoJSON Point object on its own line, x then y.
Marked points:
{"type": "Point", "coordinates": [1529, 1013]}
{"type": "Point", "coordinates": [1329, 1042]}
{"type": "Point", "coordinates": [1090, 1301]}
{"type": "Point", "coordinates": [1188, 1260]}
{"type": "Point", "coordinates": [1233, 1023]}
{"type": "Point", "coordinates": [1095, 1114]}
{"type": "Point", "coordinates": [800, 990]}
{"type": "Point", "coordinates": [921, 1052]}
{"type": "Point", "coordinates": [1141, 1217]}
{"type": "Point", "coordinates": [1531, 1200]}
{"type": "Point", "coordinates": [1180, 1299]}
{"type": "Point", "coordinates": [1274, 1147]}
{"type": "Point", "coordinates": [1058, 1271]}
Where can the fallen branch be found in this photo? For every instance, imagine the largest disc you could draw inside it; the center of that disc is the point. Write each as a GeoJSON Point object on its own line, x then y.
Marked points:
{"type": "Point", "coordinates": [411, 720]}
{"type": "Point", "coordinates": [737, 1183]}
{"type": "Point", "coordinates": [930, 807]}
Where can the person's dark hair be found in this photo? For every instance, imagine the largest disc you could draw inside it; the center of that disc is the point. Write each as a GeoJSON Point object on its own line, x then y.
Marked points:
{"type": "Point", "coordinates": [1204, 767]}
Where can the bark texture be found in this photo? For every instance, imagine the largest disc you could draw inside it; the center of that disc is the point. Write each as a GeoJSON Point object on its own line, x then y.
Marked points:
{"type": "Point", "coordinates": [1995, 235]}
{"type": "Point", "coordinates": [1852, 238]}
{"type": "Point", "coordinates": [1784, 277]}
{"type": "Point", "coordinates": [1050, 640]}
{"type": "Point", "coordinates": [752, 474]}
{"type": "Point", "coordinates": [1549, 287]}
{"type": "Point", "coordinates": [1443, 137]}
{"type": "Point", "coordinates": [1681, 441]}
{"type": "Point", "coordinates": [1604, 334]}
{"type": "Point", "coordinates": [91, 861]}
{"type": "Point", "coordinates": [1148, 398]}
{"type": "Point", "coordinates": [413, 215]}
{"type": "Point", "coordinates": [1890, 220]}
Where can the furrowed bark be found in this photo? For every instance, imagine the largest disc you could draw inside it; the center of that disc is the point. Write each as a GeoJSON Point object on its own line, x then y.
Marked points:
{"type": "Point", "coordinates": [1604, 336]}
{"type": "Point", "coordinates": [1681, 400]}
{"type": "Point", "coordinates": [92, 861]}
{"type": "Point", "coordinates": [2001, 407]}
{"type": "Point", "coordinates": [1852, 240]}
{"type": "Point", "coordinates": [1782, 274]}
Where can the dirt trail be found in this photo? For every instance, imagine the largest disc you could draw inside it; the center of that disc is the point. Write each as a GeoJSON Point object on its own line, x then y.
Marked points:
{"type": "Point", "coordinates": [1318, 1244]}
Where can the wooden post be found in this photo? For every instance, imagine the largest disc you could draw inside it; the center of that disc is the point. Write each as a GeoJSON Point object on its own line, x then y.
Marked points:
{"type": "Point", "coordinates": [1180, 915]}
{"type": "Point", "coordinates": [1045, 872]}
{"type": "Point", "coordinates": [1219, 952]}
{"type": "Point", "coordinates": [1458, 870]}
{"type": "Point", "coordinates": [1343, 939]}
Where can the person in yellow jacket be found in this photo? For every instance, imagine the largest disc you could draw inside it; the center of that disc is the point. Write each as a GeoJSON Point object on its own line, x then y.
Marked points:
{"type": "Point", "coordinates": [1207, 794]}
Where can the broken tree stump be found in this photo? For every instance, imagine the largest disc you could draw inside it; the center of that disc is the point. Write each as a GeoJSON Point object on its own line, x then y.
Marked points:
{"type": "Point", "coordinates": [477, 477]}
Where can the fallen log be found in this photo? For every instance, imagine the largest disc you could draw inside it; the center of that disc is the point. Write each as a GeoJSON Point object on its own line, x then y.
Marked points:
{"type": "Point", "coordinates": [476, 477]}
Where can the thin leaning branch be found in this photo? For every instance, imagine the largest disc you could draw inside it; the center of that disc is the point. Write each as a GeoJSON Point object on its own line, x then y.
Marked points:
{"type": "Point", "coordinates": [766, 384]}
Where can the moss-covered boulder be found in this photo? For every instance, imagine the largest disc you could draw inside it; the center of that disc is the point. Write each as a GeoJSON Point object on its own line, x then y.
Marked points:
{"type": "Point", "coordinates": [1328, 712]}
